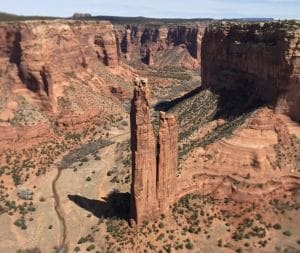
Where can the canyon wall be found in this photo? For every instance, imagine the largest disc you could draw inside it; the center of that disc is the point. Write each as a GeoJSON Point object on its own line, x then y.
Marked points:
{"type": "Point", "coordinates": [63, 71]}
{"type": "Point", "coordinates": [144, 42]}
{"type": "Point", "coordinates": [259, 63]}
{"type": "Point", "coordinates": [153, 174]}
{"type": "Point", "coordinates": [56, 73]}
{"type": "Point", "coordinates": [261, 58]}
{"type": "Point", "coordinates": [41, 55]}
{"type": "Point", "coordinates": [45, 57]}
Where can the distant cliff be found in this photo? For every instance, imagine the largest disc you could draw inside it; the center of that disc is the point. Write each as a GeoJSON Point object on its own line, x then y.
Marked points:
{"type": "Point", "coordinates": [43, 54]}
{"type": "Point", "coordinates": [145, 42]}
{"type": "Point", "coordinates": [263, 59]}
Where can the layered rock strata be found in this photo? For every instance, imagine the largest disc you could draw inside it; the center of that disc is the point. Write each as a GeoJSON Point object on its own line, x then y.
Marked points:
{"type": "Point", "coordinates": [152, 41]}
{"type": "Point", "coordinates": [43, 55]}
{"type": "Point", "coordinates": [262, 58]}
{"type": "Point", "coordinates": [56, 73]}
{"type": "Point", "coordinates": [143, 190]}
{"type": "Point", "coordinates": [153, 175]}
{"type": "Point", "coordinates": [64, 71]}
{"type": "Point", "coordinates": [258, 159]}
{"type": "Point", "coordinates": [167, 160]}
{"type": "Point", "coordinates": [259, 62]}
{"type": "Point", "coordinates": [252, 65]}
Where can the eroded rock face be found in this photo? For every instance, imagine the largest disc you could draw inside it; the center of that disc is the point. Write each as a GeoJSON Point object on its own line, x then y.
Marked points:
{"type": "Point", "coordinates": [153, 176]}
{"type": "Point", "coordinates": [156, 40]}
{"type": "Point", "coordinates": [45, 53]}
{"type": "Point", "coordinates": [143, 189]}
{"type": "Point", "coordinates": [57, 69]}
{"type": "Point", "coordinates": [167, 160]}
{"type": "Point", "coordinates": [190, 36]}
{"type": "Point", "coordinates": [263, 59]}
{"type": "Point", "coordinates": [259, 158]}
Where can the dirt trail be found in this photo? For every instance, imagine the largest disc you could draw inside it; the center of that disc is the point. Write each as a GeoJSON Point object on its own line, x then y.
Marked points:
{"type": "Point", "coordinates": [59, 211]}
{"type": "Point", "coordinates": [63, 246]}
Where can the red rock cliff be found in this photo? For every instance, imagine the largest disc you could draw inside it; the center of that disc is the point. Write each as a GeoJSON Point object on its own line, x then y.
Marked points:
{"type": "Point", "coordinates": [143, 189]}
{"type": "Point", "coordinates": [262, 58]}
{"type": "Point", "coordinates": [149, 41]}
{"type": "Point", "coordinates": [167, 160]}
{"type": "Point", "coordinates": [43, 55]}
{"type": "Point", "coordinates": [153, 176]}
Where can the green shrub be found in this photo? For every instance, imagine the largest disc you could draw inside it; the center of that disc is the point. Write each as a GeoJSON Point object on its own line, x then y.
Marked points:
{"type": "Point", "coordinates": [160, 237]}
{"type": "Point", "coordinates": [161, 225]}
{"type": "Point", "coordinates": [84, 160]}
{"type": "Point", "coordinates": [189, 245]}
{"type": "Point", "coordinates": [277, 226]}
{"type": "Point", "coordinates": [91, 247]}
{"type": "Point", "coordinates": [82, 240]}
{"type": "Point", "coordinates": [109, 173]}
{"type": "Point", "coordinates": [287, 233]}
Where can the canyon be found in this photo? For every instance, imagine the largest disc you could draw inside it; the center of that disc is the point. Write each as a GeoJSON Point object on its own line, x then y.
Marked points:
{"type": "Point", "coordinates": [265, 142]}
{"type": "Point", "coordinates": [154, 137]}
{"type": "Point", "coordinates": [43, 65]}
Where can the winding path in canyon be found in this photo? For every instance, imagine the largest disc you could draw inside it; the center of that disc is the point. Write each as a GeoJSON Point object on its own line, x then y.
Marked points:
{"type": "Point", "coordinates": [63, 245]}
{"type": "Point", "coordinates": [59, 212]}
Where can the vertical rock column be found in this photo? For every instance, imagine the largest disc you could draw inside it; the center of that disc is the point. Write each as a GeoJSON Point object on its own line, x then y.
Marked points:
{"type": "Point", "coordinates": [144, 205]}
{"type": "Point", "coordinates": [167, 160]}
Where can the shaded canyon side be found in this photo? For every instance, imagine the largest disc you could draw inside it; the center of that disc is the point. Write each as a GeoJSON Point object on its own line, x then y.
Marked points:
{"type": "Point", "coordinates": [262, 59]}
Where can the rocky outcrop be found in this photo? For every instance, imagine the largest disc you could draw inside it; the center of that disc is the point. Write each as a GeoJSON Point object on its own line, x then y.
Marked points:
{"type": "Point", "coordinates": [143, 189]}
{"type": "Point", "coordinates": [151, 41]}
{"type": "Point", "coordinates": [69, 71]}
{"type": "Point", "coordinates": [56, 74]}
{"type": "Point", "coordinates": [24, 137]}
{"type": "Point", "coordinates": [47, 53]}
{"type": "Point", "coordinates": [190, 36]}
{"type": "Point", "coordinates": [258, 159]}
{"type": "Point", "coordinates": [147, 56]}
{"type": "Point", "coordinates": [167, 160]}
{"type": "Point", "coordinates": [153, 176]}
{"type": "Point", "coordinates": [262, 59]}
{"type": "Point", "coordinates": [42, 59]}
{"type": "Point", "coordinates": [8, 36]}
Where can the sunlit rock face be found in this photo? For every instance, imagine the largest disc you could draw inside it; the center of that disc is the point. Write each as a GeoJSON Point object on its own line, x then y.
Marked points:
{"type": "Point", "coordinates": [153, 175]}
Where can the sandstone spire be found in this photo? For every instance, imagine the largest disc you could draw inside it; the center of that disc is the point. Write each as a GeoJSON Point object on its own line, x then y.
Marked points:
{"type": "Point", "coordinates": [153, 177]}
{"type": "Point", "coordinates": [167, 160]}
{"type": "Point", "coordinates": [143, 189]}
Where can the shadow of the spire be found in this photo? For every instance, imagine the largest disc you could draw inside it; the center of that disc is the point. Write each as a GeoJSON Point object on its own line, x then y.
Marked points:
{"type": "Point", "coordinates": [116, 204]}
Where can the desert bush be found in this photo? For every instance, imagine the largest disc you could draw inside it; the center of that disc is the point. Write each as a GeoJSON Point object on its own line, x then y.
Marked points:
{"type": "Point", "coordinates": [277, 226]}
{"type": "Point", "coordinates": [287, 233]}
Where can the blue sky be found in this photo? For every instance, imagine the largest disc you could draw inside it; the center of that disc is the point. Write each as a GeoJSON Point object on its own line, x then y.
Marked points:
{"type": "Point", "coordinates": [157, 8]}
